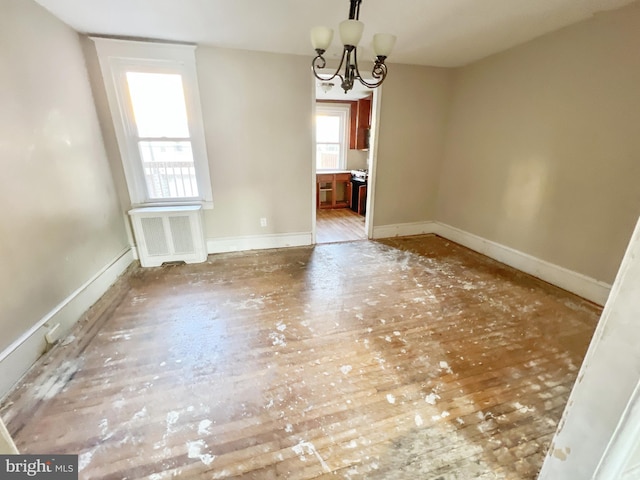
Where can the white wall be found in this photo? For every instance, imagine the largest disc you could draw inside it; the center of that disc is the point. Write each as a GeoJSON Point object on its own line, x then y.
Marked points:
{"type": "Point", "coordinates": [543, 145]}
{"type": "Point", "coordinates": [61, 222]}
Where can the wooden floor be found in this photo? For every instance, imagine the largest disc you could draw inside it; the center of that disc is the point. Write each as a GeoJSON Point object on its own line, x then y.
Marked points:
{"type": "Point", "coordinates": [339, 225]}
{"type": "Point", "coordinates": [409, 358]}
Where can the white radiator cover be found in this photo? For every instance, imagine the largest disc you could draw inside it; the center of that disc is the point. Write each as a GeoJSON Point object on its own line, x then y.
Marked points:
{"type": "Point", "coordinates": [169, 234]}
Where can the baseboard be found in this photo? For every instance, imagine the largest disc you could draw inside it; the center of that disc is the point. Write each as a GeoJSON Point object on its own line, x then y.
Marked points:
{"type": "Point", "coordinates": [18, 357]}
{"type": "Point", "coordinates": [582, 285]}
{"type": "Point", "coordinates": [257, 242]}
{"type": "Point", "coordinates": [7, 447]}
{"type": "Point", "coordinates": [403, 229]}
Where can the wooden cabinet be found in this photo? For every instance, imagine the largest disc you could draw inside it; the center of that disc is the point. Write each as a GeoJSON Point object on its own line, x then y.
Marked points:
{"type": "Point", "coordinates": [361, 207]}
{"type": "Point", "coordinates": [363, 124]}
{"type": "Point", "coordinates": [360, 124]}
{"type": "Point", "coordinates": [333, 190]}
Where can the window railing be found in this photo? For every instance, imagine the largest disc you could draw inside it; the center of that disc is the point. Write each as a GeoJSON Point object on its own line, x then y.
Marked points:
{"type": "Point", "coordinates": [169, 169]}
{"type": "Point", "coordinates": [171, 179]}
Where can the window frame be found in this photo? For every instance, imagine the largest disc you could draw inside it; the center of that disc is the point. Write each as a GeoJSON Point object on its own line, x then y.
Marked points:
{"type": "Point", "coordinates": [344, 112]}
{"type": "Point", "coordinates": [117, 57]}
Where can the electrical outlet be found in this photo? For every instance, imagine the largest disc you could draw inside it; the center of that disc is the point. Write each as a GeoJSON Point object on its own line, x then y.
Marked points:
{"type": "Point", "coordinates": [263, 222]}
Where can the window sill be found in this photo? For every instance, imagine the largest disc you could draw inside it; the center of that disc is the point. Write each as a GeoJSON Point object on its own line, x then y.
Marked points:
{"type": "Point", "coordinates": [206, 205]}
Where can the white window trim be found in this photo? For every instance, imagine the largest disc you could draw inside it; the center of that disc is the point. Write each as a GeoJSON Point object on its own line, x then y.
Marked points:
{"type": "Point", "coordinates": [343, 111]}
{"type": "Point", "coordinates": [115, 57]}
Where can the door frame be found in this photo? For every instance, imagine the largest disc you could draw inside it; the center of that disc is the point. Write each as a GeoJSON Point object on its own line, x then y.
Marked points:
{"type": "Point", "coordinates": [373, 155]}
{"type": "Point", "coordinates": [373, 166]}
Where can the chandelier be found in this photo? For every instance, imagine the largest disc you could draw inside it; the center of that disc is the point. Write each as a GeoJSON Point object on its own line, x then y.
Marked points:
{"type": "Point", "coordinates": [350, 35]}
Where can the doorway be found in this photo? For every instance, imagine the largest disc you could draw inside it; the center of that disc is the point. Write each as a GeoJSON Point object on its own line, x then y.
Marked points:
{"type": "Point", "coordinates": [343, 161]}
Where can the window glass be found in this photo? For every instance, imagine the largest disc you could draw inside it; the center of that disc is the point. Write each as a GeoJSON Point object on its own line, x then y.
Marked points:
{"type": "Point", "coordinates": [328, 129]}
{"type": "Point", "coordinates": [331, 137]}
{"type": "Point", "coordinates": [159, 111]}
{"type": "Point", "coordinates": [158, 104]}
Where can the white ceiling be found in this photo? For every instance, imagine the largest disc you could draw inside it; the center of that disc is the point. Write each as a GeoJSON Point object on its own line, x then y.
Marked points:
{"type": "Point", "coordinates": [430, 32]}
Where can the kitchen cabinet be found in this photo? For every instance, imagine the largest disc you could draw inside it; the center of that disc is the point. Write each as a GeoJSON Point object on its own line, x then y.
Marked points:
{"type": "Point", "coordinates": [333, 190]}
{"type": "Point", "coordinates": [363, 124]}
{"type": "Point", "coordinates": [361, 198]}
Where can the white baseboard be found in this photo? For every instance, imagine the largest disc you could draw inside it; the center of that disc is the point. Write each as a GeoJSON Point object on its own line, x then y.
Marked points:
{"type": "Point", "coordinates": [586, 287]}
{"type": "Point", "coordinates": [257, 242]}
{"type": "Point", "coordinates": [574, 282]}
{"type": "Point", "coordinates": [403, 229]}
{"type": "Point", "coordinates": [7, 447]}
{"type": "Point", "coordinates": [18, 357]}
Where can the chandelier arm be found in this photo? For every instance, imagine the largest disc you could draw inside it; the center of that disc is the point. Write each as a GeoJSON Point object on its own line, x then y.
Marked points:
{"type": "Point", "coordinates": [349, 69]}
{"type": "Point", "coordinates": [320, 62]}
{"type": "Point", "coordinates": [379, 71]}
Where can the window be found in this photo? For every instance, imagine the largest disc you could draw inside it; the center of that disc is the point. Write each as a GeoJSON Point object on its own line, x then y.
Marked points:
{"type": "Point", "coordinates": [331, 136]}
{"type": "Point", "coordinates": [154, 101]}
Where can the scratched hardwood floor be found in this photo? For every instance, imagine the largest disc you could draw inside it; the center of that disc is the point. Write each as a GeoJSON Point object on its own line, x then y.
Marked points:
{"type": "Point", "coordinates": [409, 358]}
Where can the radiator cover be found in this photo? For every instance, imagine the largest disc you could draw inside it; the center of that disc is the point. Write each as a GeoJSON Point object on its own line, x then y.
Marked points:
{"type": "Point", "coordinates": [169, 234]}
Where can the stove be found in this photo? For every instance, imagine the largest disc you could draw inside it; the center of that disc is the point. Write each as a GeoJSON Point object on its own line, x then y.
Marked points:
{"type": "Point", "coordinates": [360, 175]}
{"type": "Point", "coordinates": [359, 190]}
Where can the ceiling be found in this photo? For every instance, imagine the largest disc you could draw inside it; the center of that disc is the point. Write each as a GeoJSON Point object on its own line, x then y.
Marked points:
{"type": "Point", "coordinates": [445, 33]}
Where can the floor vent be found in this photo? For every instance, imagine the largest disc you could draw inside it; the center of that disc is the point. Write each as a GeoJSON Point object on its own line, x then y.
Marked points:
{"type": "Point", "coordinates": [169, 234]}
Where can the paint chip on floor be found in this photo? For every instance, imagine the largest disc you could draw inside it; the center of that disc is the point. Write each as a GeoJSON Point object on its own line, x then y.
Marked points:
{"type": "Point", "coordinates": [445, 366]}
{"type": "Point", "coordinates": [432, 398]}
{"type": "Point", "coordinates": [203, 427]}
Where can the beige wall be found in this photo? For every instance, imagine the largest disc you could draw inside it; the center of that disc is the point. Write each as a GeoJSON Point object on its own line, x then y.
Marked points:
{"type": "Point", "coordinates": [543, 146]}
{"type": "Point", "coordinates": [106, 123]}
{"type": "Point", "coordinates": [257, 118]}
{"type": "Point", "coordinates": [414, 105]}
{"type": "Point", "coordinates": [357, 159]}
{"type": "Point", "coordinates": [61, 221]}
